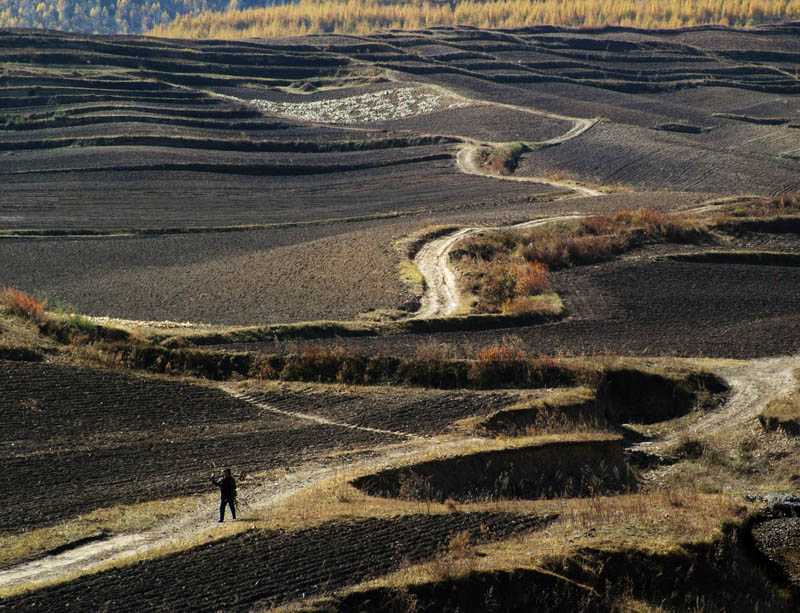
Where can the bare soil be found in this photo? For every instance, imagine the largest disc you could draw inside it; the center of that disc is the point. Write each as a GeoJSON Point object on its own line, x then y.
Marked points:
{"type": "Point", "coordinates": [425, 412]}
{"type": "Point", "coordinates": [278, 275]}
{"type": "Point", "coordinates": [81, 439]}
{"type": "Point", "coordinates": [272, 568]}
{"type": "Point", "coordinates": [644, 306]}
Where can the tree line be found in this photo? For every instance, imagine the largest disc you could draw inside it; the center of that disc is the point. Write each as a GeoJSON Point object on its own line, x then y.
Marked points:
{"type": "Point", "coordinates": [265, 18]}
{"type": "Point", "coordinates": [364, 16]}
{"type": "Point", "coordinates": [109, 16]}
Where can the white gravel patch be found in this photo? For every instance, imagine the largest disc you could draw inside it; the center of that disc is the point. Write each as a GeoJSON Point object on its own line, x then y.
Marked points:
{"type": "Point", "coordinates": [114, 321]}
{"type": "Point", "coordinates": [384, 105]}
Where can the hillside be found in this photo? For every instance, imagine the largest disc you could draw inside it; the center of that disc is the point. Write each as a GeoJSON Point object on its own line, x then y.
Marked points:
{"type": "Point", "coordinates": [480, 319]}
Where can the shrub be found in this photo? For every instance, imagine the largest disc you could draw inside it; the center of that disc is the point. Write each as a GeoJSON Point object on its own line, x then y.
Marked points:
{"type": "Point", "coordinates": [313, 363]}
{"type": "Point", "coordinates": [530, 278]}
{"type": "Point", "coordinates": [548, 303]}
{"type": "Point", "coordinates": [498, 283]}
{"type": "Point", "coordinates": [504, 266]}
{"type": "Point", "coordinates": [503, 159]}
{"type": "Point", "coordinates": [22, 305]}
{"type": "Point", "coordinates": [506, 364]}
{"type": "Point", "coordinates": [785, 203]}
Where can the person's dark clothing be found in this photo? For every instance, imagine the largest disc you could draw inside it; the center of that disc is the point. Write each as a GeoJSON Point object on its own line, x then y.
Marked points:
{"type": "Point", "coordinates": [227, 487]}
{"type": "Point", "coordinates": [230, 503]}
{"type": "Point", "coordinates": [227, 491]}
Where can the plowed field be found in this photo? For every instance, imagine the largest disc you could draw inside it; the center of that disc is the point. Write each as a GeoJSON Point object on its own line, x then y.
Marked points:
{"type": "Point", "coordinates": [271, 568]}
{"type": "Point", "coordinates": [414, 411]}
{"type": "Point", "coordinates": [641, 305]}
{"type": "Point", "coordinates": [78, 439]}
{"type": "Point", "coordinates": [140, 134]}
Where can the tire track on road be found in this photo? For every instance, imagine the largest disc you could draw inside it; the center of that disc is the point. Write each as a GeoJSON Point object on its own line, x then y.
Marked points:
{"type": "Point", "coordinates": [753, 384]}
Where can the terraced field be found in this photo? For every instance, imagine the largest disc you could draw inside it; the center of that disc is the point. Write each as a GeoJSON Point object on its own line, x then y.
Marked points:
{"type": "Point", "coordinates": [221, 184]}
{"type": "Point", "coordinates": [265, 569]}
{"type": "Point", "coordinates": [82, 439]}
{"type": "Point", "coordinates": [140, 135]}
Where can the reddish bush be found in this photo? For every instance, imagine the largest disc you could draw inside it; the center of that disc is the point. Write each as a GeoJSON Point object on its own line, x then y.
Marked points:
{"type": "Point", "coordinates": [498, 353]}
{"type": "Point", "coordinates": [17, 303]}
{"type": "Point", "coordinates": [530, 278]}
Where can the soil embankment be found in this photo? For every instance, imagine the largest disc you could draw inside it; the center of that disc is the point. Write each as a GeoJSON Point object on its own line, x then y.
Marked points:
{"type": "Point", "coordinates": [568, 468]}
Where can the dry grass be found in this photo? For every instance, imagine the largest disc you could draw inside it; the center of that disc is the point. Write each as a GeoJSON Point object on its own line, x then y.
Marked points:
{"type": "Point", "coordinates": [120, 519]}
{"type": "Point", "coordinates": [23, 333]}
{"type": "Point", "coordinates": [16, 303]}
{"type": "Point", "coordinates": [504, 269]}
{"type": "Point", "coordinates": [564, 412]}
{"type": "Point", "coordinates": [502, 159]}
{"type": "Point", "coordinates": [783, 412]}
{"type": "Point", "coordinates": [761, 208]}
{"type": "Point", "coordinates": [736, 463]}
{"type": "Point", "coordinates": [784, 409]}
{"type": "Point", "coordinates": [652, 523]}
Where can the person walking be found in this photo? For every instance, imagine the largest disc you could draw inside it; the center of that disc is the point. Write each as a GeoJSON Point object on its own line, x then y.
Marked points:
{"type": "Point", "coordinates": [227, 491]}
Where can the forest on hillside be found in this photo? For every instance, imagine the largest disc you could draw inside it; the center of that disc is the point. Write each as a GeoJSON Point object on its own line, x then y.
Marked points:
{"type": "Point", "coordinates": [109, 16]}
{"type": "Point", "coordinates": [263, 18]}
{"type": "Point", "coordinates": [365, 16]}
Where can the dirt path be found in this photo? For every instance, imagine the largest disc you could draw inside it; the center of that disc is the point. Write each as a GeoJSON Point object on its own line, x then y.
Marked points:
{"type": "Point", "coordinates": [310, 417]}
{"type": "Point", "coordinates": [753, 383]}
{"type": "Point", "coordinates": [259, 497]}
{"type": "Point", "coordinates": [467, 162]}
{"type": "Point", "coordinates": [442, 296]}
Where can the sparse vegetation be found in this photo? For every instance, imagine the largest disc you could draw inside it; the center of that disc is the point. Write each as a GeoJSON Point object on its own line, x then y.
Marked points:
{"type": "Point", "coordinates": [503, 159]}
{"type": "Point", "coordinates": [763, 209]}
{"type": "Point", "coordinates": [783, 413]}
{"type": "Point", "coordinates": [22, 305]}
{"type": "Point", "coordinates": [505, 269]}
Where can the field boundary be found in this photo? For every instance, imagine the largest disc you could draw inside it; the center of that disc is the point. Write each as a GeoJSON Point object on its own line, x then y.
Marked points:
{"type": "Point", "coordinates": [245, 397]}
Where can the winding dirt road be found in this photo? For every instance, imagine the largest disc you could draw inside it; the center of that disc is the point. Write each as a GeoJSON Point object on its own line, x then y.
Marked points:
{"type": "Point", "coordinates": [442, 296]}
{"type": "Point", "coordinates": [260, 497]}
{"type": "Point", "coordinates": [753, 384]}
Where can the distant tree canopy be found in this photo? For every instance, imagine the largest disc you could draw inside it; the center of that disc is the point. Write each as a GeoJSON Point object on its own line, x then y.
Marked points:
{"type": "Point", "coordinates": [109, 16]}
{"type": "Point", "coordinates": [262, 18]}
{"type": "Point", "coordinates": [363, 16]}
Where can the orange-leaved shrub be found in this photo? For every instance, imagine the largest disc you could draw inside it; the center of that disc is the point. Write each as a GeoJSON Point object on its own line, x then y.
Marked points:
{"type": "Point", "coordinates": [503, 268]}
{"type": "Point", "coordinates": [17, 303]}
{"type": "Point", "coordinates": [505, 364]}
{"type": "Point", "coordinates": [497, 283]}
